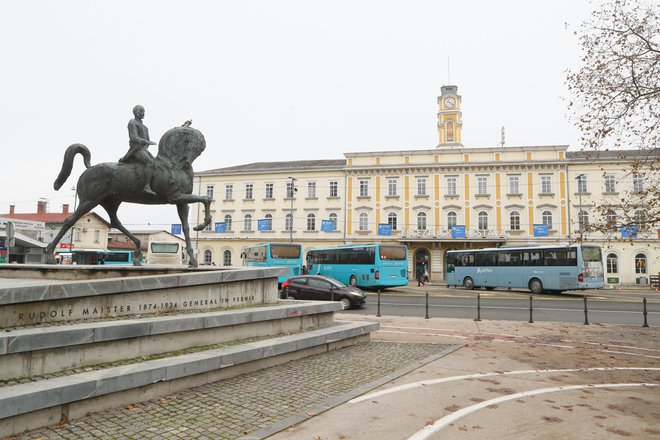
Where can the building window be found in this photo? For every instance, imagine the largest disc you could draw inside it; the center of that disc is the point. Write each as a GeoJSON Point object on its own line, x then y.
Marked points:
{"type": "Point", "coordinates": [333, 218]}
{"type": "Point", "coordinates": [452, 219]}
{"type": "Point", "coordinates": [269, 191]}
{"type": "Point", "coordinates": [640, 219]}
{"type": "Point", "coordinates": [392, 220]}
{"type": "Point", "coordinates": [247, 222]}
{"type": "Point", "coordinates": [290, 190]}
{"type": "Point", "coordinates": [76, 234]}
{"type": "Point", "coordinates": [514, 221]}
{"type": "Point", "coordinates": [514, 184]}
{"type": "Point", "coordinates": [364, 188]}
{"type": "Point", "coordinates": [226, 258]}
{"type": "Point", "coordinates": [610, 183]}
{"type": "Point", "coordinates": [638, 183]}
{"type": "Point", "coordinates": [334, 186]}
{"type": "Point", "coordinates": [229, 191]}
{"type": "Point", "coordinates": [421, 186]}
{"type": "Point", "coordinates": [311, 222]}
{"type": "Point", "coordinates": [249, 191]}
{"type": "Point", "coordinates": [97, 236]}
{"type": "Point", "coordinates": [391, 187]}
{"type": "Point", "coordinates": [311, 189]}
{"type": "Point", "coordinates": [482, 185]}
{"type": "Point", "coordinates": [208, 227]}
{"type": "Point", "coordinates": [640, 264]}
{"type": "Point", "coordinates": [610, 219]}
{"type": "Point", "coordinates": [269, 217]}
{"type": "Point", "coordinates": [228, 222]}
{"type": "Point", "coordinates": [451, 186]}
{"type": "Point", "coordinates": [421, 221]}
{"type": "Point", "coordinates": [546, 184]}
{"type": "Point", "coordinates": [546, 218]}
{"type": "Point", "coordinates": [612, 263]}
{"type": "Point", "coordinates": [582, 183]}
{"type": "Point", "coordinates": [209, 191]}
{"type": "Point", "coordinates": [583, 220]}
{"type": "Point", "coordinates": [363, 222]}
{"type": "Point", "coordinates": [208, 257]}
{"type": "Point", "coordinates": [482, 218]}
{"type": "Point", "coordinates": [288, 222]}
{"type": "Point", "coordinates": [450, 131]}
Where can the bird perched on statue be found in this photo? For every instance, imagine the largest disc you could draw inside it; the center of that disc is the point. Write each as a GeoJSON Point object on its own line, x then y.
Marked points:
{"type": "Point", "coordinates": [188, 123]}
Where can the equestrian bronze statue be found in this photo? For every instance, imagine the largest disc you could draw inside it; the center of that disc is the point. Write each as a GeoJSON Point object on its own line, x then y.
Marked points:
{"type": "Point", "coordinates": [164, 179]}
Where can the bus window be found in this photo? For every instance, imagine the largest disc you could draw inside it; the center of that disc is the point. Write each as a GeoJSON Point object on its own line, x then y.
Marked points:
{"type": "Point", "coordinates": [465, 259]}
{"type": "Point", "coordinates": [560, 257]}
{"type": "Point", "coordinates": [164, 248]}
{"type": "Point", "coordinates": [486, 258]}
{"type": "Point", "coordinates": [533, 257]}
{"type": "Point", "coordinates": [509, 258]}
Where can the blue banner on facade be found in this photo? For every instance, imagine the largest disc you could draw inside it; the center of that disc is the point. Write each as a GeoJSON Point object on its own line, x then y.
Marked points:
{"type": "Point", "coordinates": [221, 227]}
{"type": "Point", "coordinates": [263, 224]}
{"type": "Point", "coordinates": [327, 225]}
{"type": "Point", "coordinates": [384, 229]}
{"type": "Point", "coordinates": [629, 231]}
{"type": "Point", "coordinates": [458, 231]}
{"type": "Point", "coordinates": [176, 229]}
{"type": "Point", "coordinates": [541, 230]}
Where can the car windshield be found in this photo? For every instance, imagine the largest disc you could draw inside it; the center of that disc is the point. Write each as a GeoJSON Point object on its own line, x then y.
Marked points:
{"type": "Point", "coordinates": [335, 282]}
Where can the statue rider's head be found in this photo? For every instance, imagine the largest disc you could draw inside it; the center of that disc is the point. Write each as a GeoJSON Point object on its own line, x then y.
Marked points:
{"type": "Point", "coordinates": [138, 112]}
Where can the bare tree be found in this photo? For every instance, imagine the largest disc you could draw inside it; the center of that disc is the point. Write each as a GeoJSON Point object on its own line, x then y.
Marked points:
{"type": "Point", "coordinates": [616, 102]}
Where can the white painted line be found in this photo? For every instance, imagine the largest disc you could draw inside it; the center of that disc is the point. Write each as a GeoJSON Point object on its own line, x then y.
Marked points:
{"type": "Point", "coordinates": [429, 430]}
{"type": "Point", "coordinates": [611, 345]}
{"type": "Point", "coordinates": [423, 383]}
{"type": "Point", "coordinates": [425, 334]}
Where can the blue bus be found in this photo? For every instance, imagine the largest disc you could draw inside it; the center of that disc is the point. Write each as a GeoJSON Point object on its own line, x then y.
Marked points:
{"type": "Point", "coordinates": [373, 265]}
{"type": "Point", "coordinates": [275, 254]}
{"type": "Point", "coordinates": [537, 268]}
{"type": "Point", "coordinates": [100, 257]}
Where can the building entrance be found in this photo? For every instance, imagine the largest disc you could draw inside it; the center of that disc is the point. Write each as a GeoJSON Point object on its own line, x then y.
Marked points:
{"type": "Point", "coordinates": [422, 261]}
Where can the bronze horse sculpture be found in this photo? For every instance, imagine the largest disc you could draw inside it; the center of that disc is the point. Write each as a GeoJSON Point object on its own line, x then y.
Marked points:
{"type": "Point", "coordinates": [109, 184]}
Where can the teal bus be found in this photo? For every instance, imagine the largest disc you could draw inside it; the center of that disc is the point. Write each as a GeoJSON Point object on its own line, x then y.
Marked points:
{"type": "Point", "coordinates": [101, 257]}
{"type": "Point", "coordinates": [275, 254]}
{"type": "Point", "coordinates": [373, 265]}
{"type": "Point", "coordinates": [537, 268]}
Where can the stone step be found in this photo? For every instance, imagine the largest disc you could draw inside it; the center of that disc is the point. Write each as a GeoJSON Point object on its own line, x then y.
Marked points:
{"type": "Point", "coordinates": [30, 405]}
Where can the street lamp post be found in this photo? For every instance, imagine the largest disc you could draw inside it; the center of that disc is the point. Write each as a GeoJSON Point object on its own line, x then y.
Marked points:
{"type": "Point", "coordinates": [291, 194]}
{"type": "Point", "coordinates": [579, 178]}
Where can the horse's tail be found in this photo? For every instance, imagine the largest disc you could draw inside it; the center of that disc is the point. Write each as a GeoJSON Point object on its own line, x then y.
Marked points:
{"type": "Point", "coordinates": [67, 164]}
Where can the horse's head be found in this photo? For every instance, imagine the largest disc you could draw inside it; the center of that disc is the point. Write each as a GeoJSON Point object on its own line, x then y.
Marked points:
{"type": "Point", "coordinates": [181, 146]}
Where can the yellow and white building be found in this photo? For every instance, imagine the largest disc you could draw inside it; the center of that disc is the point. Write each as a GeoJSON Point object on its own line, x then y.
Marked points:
{"type": "Point", "coordinates": [498, 194]}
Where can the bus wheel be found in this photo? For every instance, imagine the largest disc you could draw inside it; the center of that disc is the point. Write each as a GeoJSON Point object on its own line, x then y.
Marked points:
{"type": "Point", "coordinates": [353, 281]}
{"type": "Point", "coordinates": [536, 286]}
{"type": "Point", "coordinates": [468, 283]}
{"type": "Point", "coordinates": [345, 304]}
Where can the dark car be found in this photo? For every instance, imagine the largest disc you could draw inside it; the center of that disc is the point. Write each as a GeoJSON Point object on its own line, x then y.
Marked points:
{"type": "Point", "coordinates": [322, 288]}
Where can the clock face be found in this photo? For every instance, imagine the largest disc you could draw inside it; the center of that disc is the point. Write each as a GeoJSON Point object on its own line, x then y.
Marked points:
{"type": "Point", "coordinates": [449, 102]}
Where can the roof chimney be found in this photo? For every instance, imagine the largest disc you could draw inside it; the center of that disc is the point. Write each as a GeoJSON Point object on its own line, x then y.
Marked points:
{"type": "Point", "coordinates": [41, 206]}
{"type": "Point", "coordinates": [11, 209]}
{"type": "Point", "coordinates": [65, 208]}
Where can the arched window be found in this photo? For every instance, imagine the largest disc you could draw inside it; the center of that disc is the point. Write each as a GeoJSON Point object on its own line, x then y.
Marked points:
{"type": "Point", "coordinates": [640, 264]}
{"type": "Point", "coordinates": [228, 222]}
{"type": "Point", "coordinates": [269, 217]}
{"type": "Point", "coordinates": [612, 263]}
{"type": "Point", "coordinates": [311, 222]}
{"type": "Point", "coordinates": [482, 218]}
{"type": "Point", "coordinates": [288, 222]}
{"type": "Point", "coordinates": [514, 221]}
{"type": "Point", "coordinates": [546, 218]}
{"type": "Point", "coordinates": [392, 220]}
{"type": "Point", "coordinates": [610, 218]}
{"type": "Point", "coordinates": [421, 221]}
{"type": "Point", "coordinates": [247, 222]}
{"type": "Point", "coordinates": [226, 258]}
{"type": "Point", "coordinates": [208, 257]}
{"type": "Point", "coordinates": [333, 218]}
{"type": "Point", "coordinates": [583, 220]}
{"type": "Point", "coordinates": [450, 131]}
{"type": "Point", "coordinates": [364, 222]}
{"type": "Point", "coordinates": [640, 219]}
{"type": "Point", "coordinates": [452, 219]}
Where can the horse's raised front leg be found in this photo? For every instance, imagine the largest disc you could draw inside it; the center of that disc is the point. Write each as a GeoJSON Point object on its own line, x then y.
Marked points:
{"type": "Point", "coordinates": [84, 207]}
{"type": "Point", "coordinates": [111, 208]}
{"type": "Point", "coordinates": [183, 209]}
{"type": "Point", "coordinates": [190, 198]}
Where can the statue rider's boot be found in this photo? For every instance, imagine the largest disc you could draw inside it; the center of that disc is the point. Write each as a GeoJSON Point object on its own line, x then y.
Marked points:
{"type": "Point", "coordinates": [147, 187]}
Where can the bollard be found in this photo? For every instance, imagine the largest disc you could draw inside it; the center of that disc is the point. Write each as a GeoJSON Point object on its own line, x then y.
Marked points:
{"type": "Point", "coordinates": [586, 320]}
{"type": "Point", "coordinates": [531, 321]}
{"type": "Point", "coordinates": [427, 305]}
{"type": "Point", "coordinates": [378, 311]}
{"type": "Point", "coordinates": [478, 307]}
{"type": "Point", "coordinates": [646, 324]}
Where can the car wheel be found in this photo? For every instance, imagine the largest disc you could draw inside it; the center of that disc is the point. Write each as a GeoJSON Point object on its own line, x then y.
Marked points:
{"type": "Point", "coordinates": [468, 283]}
{"type": "Point", "coordinates": [536, 286]}
{"type": "Point", "coordinates": [345, 304]}
{"type": "Point", "coordinates": [289, 296]}
{"type": "Point", "coordinates": [353, 281]}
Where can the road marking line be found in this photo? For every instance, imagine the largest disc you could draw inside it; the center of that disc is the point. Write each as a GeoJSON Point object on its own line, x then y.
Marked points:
{"type": "Point", "coordinates": [422, 383]}
{"type": "Point", "coordinates": [429, 430]}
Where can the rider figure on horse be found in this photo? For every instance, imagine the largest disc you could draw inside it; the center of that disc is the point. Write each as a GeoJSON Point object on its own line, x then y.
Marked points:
{"type": "Point", "coordinates": [138, 152]}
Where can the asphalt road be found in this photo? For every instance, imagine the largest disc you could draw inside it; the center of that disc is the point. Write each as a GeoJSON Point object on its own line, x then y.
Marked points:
{"type": "Point", "coordinates": [603, 306]}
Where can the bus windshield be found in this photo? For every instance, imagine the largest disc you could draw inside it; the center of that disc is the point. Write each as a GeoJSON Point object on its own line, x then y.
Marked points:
{"type": "Point", "coordinates": [591, 254]}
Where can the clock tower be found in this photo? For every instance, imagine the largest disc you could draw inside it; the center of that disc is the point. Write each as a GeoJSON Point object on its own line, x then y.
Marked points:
{"type": "Point", "coordinates": [449, 117]}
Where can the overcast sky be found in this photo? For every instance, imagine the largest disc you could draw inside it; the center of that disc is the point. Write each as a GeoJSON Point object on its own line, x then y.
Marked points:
{"type": "Point", "coordinates": [271, 80]}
